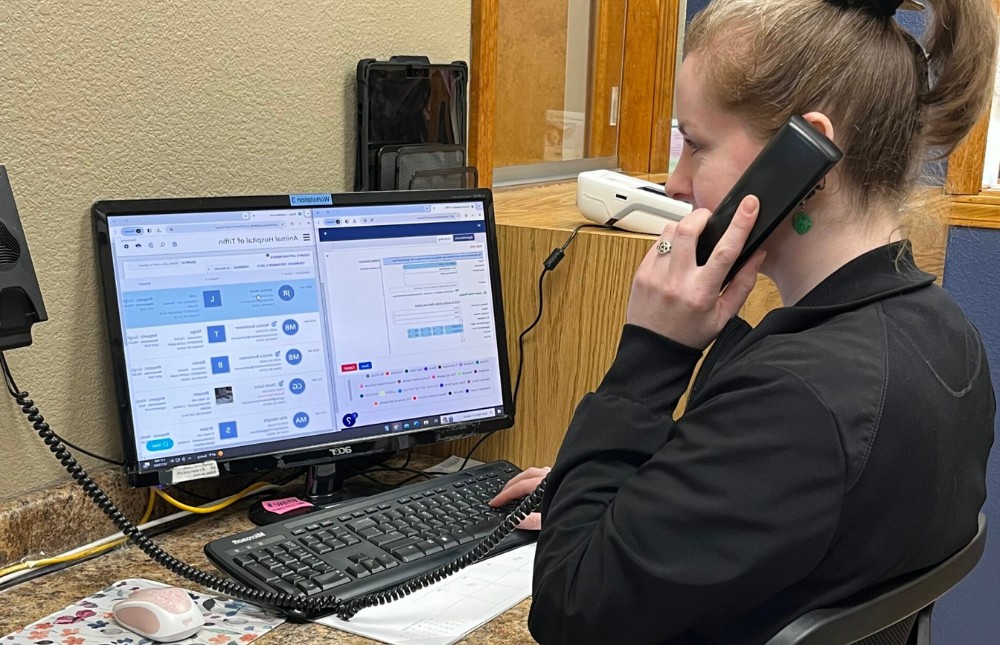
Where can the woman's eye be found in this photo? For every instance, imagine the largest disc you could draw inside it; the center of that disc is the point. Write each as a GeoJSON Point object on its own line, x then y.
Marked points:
{"type": "Point", "coordinates": [692, 145]}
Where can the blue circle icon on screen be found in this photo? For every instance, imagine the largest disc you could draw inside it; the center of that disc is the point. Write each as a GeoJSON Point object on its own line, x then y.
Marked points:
{"type": "Point", "coordinates": [290, 327]}
{"type": "Point", "coordinates": [293, 356]}
{"type": "Point", "coordinates": [350, 419]}
{"type": "Point", "coordinates": [301, 420]}
{"type": "Point", "coordinates": [297, 386]}
{"type": "Point", "coordinates": [285, 292]}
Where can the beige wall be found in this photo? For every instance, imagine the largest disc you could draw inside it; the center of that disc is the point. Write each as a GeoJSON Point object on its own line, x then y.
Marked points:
{"type": "Point", "coordinates": [144, 98]}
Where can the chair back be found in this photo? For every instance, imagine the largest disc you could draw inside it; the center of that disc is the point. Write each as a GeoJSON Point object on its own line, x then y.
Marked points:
{"type": "Point", "coordinates": [895, 614]}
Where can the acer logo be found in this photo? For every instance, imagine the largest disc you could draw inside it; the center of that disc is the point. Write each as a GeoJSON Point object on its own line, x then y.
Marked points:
{"type": "Point", "coordinates": [255, 536]}
{"type": "Point", "coordinates": [346, 450]}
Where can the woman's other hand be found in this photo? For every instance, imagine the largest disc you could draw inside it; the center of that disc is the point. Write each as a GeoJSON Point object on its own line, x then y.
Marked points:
{"type": "Point", "coordinates": [674, 297]}
{"type": "Point", "coordinates": [522, 485]}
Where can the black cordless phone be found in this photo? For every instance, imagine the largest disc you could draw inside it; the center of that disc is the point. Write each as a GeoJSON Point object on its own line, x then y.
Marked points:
{"type": "Point", "coordinates": [785, 172]}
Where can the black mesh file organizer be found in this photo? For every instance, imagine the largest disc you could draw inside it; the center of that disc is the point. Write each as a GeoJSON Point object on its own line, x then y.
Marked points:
{"type": "Point", "coordinates": [398, 164]}
{"type": "Point", "coordinates": [413, 159]}
{"type": "Point", "coordinates": [442, 178]}
{"type": "Point", "coordinates": [407, 101]}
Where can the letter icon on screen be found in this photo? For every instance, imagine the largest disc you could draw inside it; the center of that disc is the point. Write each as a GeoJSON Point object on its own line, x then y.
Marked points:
{"type": "Point", "coordinates": [212, 298]}
{"type": "Point", "coordinates": [220, 365]}
{"type": "Point", "coordinates": [227, 430]}
{"type": "Point", "coordinates": [217, 334]}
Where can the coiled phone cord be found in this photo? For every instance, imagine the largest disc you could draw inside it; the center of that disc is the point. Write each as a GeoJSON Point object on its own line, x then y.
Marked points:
{"type": "Point", "coordinates": [295, 608]}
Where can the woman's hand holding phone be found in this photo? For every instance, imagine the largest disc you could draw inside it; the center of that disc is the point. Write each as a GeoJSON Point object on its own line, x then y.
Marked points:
{"type": "Point", "coordinates": [676, 298]}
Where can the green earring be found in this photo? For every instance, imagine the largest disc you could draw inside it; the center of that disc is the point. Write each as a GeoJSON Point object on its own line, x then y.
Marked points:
{"type": "Point", "coordinates": [802, 223]}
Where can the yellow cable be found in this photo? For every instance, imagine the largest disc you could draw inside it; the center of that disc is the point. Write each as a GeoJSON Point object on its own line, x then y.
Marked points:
{"type": "Point", "coordinates": [21, 566]}
{"type": "Point", "coordinates": [211, 509]}
{"type": "Point", "coordinates": [34, 564]}
{"type": "Point", "coordinates": [153, 493]}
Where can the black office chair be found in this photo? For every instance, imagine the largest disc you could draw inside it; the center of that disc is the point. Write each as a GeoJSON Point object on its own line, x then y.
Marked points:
{"type": "Point", "coordinates": [897, 614]}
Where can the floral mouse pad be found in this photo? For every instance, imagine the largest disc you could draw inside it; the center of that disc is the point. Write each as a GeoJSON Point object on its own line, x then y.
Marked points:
{"type": "Point", "coordinates": [89, 621]}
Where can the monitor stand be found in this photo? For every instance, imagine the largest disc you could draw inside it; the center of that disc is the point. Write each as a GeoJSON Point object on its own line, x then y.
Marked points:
{"type": "Point", "coordinates": [324, 486]}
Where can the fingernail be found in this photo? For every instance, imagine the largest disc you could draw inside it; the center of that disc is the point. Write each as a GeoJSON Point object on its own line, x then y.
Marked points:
{"type": "Point", "coordinates": [750, 204]}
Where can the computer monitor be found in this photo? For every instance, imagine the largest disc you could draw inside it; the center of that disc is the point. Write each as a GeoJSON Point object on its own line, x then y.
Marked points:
{"type": "Point", "coordinates": [253, 333]}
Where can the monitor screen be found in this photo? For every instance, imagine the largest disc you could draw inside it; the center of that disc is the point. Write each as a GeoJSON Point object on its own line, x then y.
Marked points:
{"type": "Point", "coordinates": [260, 328]}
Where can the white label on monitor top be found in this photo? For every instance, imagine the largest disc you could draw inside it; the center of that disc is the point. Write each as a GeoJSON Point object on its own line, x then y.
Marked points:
{"type": "Point", "coordinates": [191, 472]}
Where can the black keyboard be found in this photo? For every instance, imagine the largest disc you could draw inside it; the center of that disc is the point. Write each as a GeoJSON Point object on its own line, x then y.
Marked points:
{"type": "Point", "coordinates": [372, 543]}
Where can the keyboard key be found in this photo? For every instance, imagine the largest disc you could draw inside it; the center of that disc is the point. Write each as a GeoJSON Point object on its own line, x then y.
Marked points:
{"type": "Point", "coordinates": [372, 565]}
{"type": "Point", "coordinates": [243, 560]}
{"type": "Point", "coordinates": [283, 572]}
{"type": "Point", "coordinates": [261, 572]}
{"type": "Point", "coordinates": [308, 586]}
{"type": "Point", "coordinates": [361, 525]}
{"type": "Point", "coordinates": [285, 587]}
{"type": "Point", "coordinates": [298, 531]}
{"type": "Point", "coordinates": [446, 541]}
{"type": "Point", "coordinates": [330, 580]}
{"type": "Point", "coordinates": [358, 571]}
{"type": "Point", "coordinates": [408, 553]}
{"type": "Point", "coordinates": [484, 527]}
{"type": "Point", "coordinates": [312, 527]}
{"type": "Point", "coordinates": [387, 562]}
{"type": "Point", "coordinates": [381, 540]}
{"type": "Point", "coordinates": [344, 518]}
{"type": "Point", "coordinates": [384, 507]}
{"type": "Point", "coordinates": [429, 546]}
{"type": "Point", "coordinates": [370, 532]}
{"type": "Point", "coordinates": [463, 536]}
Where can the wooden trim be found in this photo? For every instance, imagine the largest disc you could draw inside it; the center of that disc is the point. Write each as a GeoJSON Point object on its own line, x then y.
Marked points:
{"type": "Point", "coordinates": [642, 29]}
{"type": "Point", "coordinates": [965, 167]}
{"type": "Point", "coordinates": [666, 65]}
{"type": "Point", "coordinates": [975, 215]}
{"type": "Point", "coordinates": [483, 87]}
{"type": "Point", "coordinates": [606, 70]}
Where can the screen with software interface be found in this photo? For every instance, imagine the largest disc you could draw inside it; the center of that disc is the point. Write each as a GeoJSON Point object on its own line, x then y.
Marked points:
{"type": "Point", "coordinates": [252, 331]}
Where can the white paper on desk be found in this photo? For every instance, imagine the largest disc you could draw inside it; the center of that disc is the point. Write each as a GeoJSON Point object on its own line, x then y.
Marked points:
{"type": "Point", "coordinates": [448, 610]}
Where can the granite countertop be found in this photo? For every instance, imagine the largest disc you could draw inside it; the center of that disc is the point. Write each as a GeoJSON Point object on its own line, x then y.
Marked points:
{"type": "Point", "coordinates": [30, 601]}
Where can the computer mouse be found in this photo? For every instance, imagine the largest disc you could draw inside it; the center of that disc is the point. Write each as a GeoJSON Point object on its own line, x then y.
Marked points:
{"type": "Point", "coordinates": [165, 615]}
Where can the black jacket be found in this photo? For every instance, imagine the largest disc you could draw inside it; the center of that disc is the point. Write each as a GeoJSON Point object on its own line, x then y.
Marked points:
{"type": "Point", "coordinates": [840, 443]}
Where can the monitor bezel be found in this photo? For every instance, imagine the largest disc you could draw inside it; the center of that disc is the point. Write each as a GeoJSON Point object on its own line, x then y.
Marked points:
{"type": "Point", "coordinates": [302, 456]}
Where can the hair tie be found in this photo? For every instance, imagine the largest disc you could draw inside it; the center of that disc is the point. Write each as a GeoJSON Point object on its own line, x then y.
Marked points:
{"type": "Point", "coordinates": [880, 8]}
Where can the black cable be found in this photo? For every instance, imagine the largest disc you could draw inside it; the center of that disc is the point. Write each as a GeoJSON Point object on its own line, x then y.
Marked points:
{"type": "Point", "coordinates": [106, 460]}
{"type": "Point", "coordinates": [400, 469]}
{"type": "Point", "coordinates": [294, 607]}
{"type": "Point", "coordinates": [548, 265]}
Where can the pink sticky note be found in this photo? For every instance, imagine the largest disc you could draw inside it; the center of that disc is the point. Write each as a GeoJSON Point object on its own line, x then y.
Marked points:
{"type": "Point", "coordinates": [282, 506]}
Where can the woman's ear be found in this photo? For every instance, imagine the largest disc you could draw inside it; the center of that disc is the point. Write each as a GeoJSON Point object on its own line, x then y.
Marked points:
{"type": "Point", "coordinates": [822, 123]}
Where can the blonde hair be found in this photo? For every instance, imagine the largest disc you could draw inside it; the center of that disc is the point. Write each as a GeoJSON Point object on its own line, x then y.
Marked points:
{"type": "Point", "coordinates": [769, 59]}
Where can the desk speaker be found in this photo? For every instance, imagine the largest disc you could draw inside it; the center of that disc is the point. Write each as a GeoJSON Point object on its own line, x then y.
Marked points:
{"type": "Point", "coordinates": [21, 303]}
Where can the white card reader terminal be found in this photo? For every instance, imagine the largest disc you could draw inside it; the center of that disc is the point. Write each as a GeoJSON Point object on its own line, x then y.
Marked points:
{"type": "Point", "coordinates": [628, 203]}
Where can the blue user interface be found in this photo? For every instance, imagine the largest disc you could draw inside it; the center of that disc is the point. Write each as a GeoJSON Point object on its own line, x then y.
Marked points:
{"type": "Point", "coordinates": [260, 330]}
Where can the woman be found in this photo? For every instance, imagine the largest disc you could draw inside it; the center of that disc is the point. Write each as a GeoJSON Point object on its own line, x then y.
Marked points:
{"type": "Point", "coordinates": [840, 443]}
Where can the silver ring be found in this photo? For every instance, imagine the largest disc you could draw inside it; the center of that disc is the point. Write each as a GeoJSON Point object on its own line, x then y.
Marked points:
{"type": "Point", "coordinates": [664, 247]}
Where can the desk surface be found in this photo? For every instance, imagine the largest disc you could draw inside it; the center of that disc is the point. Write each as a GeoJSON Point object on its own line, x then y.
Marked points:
{"type": "Point", "coordinates": [38, 598]}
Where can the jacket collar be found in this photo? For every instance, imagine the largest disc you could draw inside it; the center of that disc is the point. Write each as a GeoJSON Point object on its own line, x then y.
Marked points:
{"type": "Point", "coordinates": [883, 272]}
{"type": "Point", "coordinates": [879, 274]}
